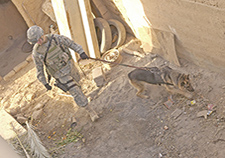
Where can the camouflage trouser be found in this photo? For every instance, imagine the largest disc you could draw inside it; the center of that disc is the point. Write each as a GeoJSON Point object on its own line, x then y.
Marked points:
{"type": "Point", "coordinates": [75, 90]}
{"type": "Point", "coordinates": [70, 77]}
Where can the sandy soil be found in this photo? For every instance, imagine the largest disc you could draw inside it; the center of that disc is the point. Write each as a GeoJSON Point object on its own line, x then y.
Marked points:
{"type": "Point", "coordinates": [129, 126]}
{"type": "Point", "coordinates": [212, 3]}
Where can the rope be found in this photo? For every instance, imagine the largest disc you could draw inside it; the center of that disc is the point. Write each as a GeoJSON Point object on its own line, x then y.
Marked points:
{"type": "Point", "coordinates": [96, 59]}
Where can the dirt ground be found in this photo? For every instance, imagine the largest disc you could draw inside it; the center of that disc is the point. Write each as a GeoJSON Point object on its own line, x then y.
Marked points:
{"type": "Point", "coordinates": [129, 126]}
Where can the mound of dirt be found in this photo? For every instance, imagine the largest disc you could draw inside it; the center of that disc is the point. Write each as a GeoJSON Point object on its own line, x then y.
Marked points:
{"type": "Point", "coordinates": [129, 126]}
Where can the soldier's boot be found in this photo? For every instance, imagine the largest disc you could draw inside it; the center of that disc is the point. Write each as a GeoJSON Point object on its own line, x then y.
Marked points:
{"type": "Point", "coordinates": [93, 115]}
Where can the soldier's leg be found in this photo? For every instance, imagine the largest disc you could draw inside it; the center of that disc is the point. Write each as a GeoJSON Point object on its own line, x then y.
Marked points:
{"type": "Point", "coordinates": [82, 101]}
{"type": "Point", "coordinates": [79, 97]}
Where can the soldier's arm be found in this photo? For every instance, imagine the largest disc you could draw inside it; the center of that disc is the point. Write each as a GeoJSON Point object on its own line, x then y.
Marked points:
{"type": "Point", "coordinates": [67, 42]}
{"type": "Point", "coordinates": [40, 67]}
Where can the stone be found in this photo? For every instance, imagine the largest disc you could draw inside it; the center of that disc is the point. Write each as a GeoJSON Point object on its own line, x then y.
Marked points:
{"type": "Point", "coordinates": [98, 76]}
{"type": "Point", "coordinates": [30, 97]}
{"type": "Point", "coordinates": [29, 58]}
{"type": "Point", "coordinates": [15, 111]}
{"type": "Point", "coordinates": [21, 119]}
{"type": "Point", "coordinates": [4, 100]}
{"type": "Point", "coordinates": [38, 106]}
{"type": "Point", "coordinates": [9, 75]}
{"type": "Point", "coordinates": [20, 66]}
{"type": "Point", "coordinates": [202, 113]}
{"type": "Point", "coordinates": [36, 114]}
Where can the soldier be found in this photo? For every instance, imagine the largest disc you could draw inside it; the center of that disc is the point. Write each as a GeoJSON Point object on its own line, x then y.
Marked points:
{"type": "Point", "coordinates": [51, 55]}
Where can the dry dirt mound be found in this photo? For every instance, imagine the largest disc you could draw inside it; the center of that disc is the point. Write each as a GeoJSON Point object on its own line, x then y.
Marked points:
{"type": "Point", "coordinates": [129, 126]}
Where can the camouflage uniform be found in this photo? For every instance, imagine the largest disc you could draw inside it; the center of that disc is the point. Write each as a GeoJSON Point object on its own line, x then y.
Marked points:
{"type": "Point", "coordinates": [59, 64]}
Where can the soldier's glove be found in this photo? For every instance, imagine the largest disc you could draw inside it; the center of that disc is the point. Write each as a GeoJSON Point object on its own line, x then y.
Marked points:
{"type": "Point", "coordinates": [48, 87]}
{"type": "Point", "coordinates": [84, 56]}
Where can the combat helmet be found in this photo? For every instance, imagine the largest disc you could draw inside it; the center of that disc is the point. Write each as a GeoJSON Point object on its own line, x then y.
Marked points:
{"type": "Point", "coordinates": [34, 33]}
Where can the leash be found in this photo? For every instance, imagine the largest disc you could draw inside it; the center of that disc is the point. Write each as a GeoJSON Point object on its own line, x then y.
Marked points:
{"type": "Point", "coordinates": [96, 59]}
{"type": "Point", "coordinates": [142, 68]}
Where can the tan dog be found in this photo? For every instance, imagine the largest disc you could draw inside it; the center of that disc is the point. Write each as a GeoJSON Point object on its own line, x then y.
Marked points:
{"type": "Point", "coordinates": [174, 81]}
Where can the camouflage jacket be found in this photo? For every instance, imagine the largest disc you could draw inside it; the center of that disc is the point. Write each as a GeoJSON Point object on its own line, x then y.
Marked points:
{"type": "Point", "coordinates": [39, 54]}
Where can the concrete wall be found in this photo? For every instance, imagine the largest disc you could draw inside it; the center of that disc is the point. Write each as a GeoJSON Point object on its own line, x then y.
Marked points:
{"type": "Point", "coordinates": [31, 11]}
{"type": "Point", "coordinates": [13, 36]}
{"type": "Point", "coordinates": [12, 25]}
{"type": "Point", "coordinates": [199, 29]}
{"type": "Point", "coordinates": [198, 26]}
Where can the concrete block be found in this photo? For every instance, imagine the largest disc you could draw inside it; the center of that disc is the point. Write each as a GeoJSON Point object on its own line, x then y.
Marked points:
{"type": "Point", "coordinates": [9, 75]}
{"type": "Point", "coordinates": [20, 66]}
{"type": "Point", "coordinates": [98, 76]}
{"type": "Point", "coordinates": [29, 58]}
{"type": "Point", "coordinates": [6, 130]}
{"type": "Point", "coordinates": [166, 41]}
{"type": "Point", "coordinates": [21, 119]}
